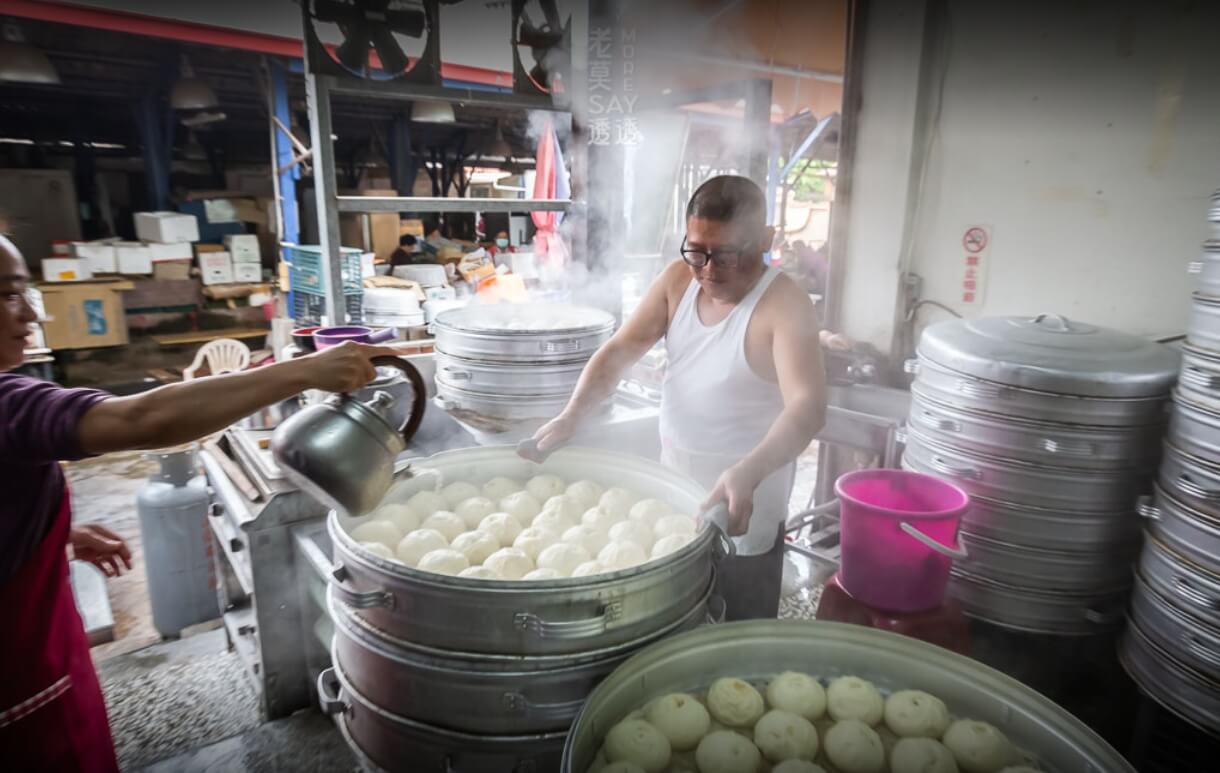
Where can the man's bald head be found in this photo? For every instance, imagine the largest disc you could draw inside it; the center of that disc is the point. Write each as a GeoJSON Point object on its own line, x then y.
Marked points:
{"type": "Point", "coordinates": [11, 261]}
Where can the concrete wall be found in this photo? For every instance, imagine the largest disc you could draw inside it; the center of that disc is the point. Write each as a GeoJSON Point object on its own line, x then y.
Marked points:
{"type": "Point", "coordinates": [1087, 134]}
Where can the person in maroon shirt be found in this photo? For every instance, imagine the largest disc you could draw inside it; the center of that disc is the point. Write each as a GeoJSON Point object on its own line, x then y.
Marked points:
{"type": "Point", "coordinates": [52, 716]}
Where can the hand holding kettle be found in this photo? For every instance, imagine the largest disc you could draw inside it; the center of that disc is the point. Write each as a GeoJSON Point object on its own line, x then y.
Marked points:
{"type": "Point", "coordinates": [343, 368]}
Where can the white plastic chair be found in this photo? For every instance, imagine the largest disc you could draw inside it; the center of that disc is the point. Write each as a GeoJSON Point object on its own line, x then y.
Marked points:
{"type": "Point", "coordinates": [224, 355]}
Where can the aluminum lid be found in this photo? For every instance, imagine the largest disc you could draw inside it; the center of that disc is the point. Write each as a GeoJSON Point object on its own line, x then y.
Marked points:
{"type": "Point", "coordinates": [526, 319]}
{"type": "Point", "coordinates": [1050, 353]}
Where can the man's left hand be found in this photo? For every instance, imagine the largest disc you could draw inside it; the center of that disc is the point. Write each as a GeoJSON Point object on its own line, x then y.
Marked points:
{"type": "Point", "coordinates": [735, 487]}
{"type": "Point", "coordinates": [100, 547]}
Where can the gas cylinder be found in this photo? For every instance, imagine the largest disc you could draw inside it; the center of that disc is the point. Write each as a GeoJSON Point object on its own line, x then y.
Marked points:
{"type": "Point", "coordinates": [173, 508]}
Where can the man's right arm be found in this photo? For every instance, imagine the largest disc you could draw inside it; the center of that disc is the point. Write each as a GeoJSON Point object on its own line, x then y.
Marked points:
{"type": "Point", "coordinates": [606, 368]}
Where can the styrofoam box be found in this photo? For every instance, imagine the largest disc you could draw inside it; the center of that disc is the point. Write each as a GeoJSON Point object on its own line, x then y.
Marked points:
{"type": "Point", "coordinates": [161, 251]}
{"type": "Point", "coordinates": [247, 272]}
{"type": "Point", "coordinates": [133, 258]}
{"type": "Point", "coordinates": [243, 248]}
{"type": "Point", "coordinates": [166, 227]}
{"type": "Point", "coordinates": [66, 269]}
{"type": "Point", "coordinates": [101, 256]}
{"type": "Point", "coordinates": [217, 275]}
{"type": "Point", "coordinates": [215, 260]}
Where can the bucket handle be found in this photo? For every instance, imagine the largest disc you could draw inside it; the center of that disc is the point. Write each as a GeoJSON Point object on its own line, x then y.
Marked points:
{"type": "Point", "coordinates": [958, 553]}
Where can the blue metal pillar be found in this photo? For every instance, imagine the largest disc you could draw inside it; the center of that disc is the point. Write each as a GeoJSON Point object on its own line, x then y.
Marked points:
{"type": "Point", "coordinates": [156, 152]}
{"type": "Point", "coordinates": [284, 155]}
{"type": "Point", "coordinates": [402, 166]}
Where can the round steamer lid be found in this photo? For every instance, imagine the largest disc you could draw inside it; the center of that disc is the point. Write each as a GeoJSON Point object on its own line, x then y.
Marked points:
{"type": "Point", "coordinates": [526, 318]}
{"type": "Point", "coordinates": [1051, 353]}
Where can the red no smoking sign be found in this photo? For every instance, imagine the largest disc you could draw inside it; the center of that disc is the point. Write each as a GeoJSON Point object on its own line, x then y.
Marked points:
{"type": "Point", "coordinates": [975, 239]}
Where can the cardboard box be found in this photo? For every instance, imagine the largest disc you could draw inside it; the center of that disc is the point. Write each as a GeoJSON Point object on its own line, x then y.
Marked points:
{"type": "Point", "coordinates": [66, 269]}
{"type": "Point", "coordinates": [247, 272]}
{"type": "Point", "coordinates": [101, 256]}
{"type": "Point", "coordinates": [82, 315]}
{"type": "Point", "coordinates": [159, 251]}
{"type": "Point", "coordinates": [166, 227]}
{"type": "Point", "coordinates": [216, 267]}
{"type": "Point", "coordinates": [173, 270]}
{"type": "Point", "coordinates": [243, 247]}
{"type": "Point", "coordinates": [384, 229]}
{"type": "Point", "coordinates": [134, 258]}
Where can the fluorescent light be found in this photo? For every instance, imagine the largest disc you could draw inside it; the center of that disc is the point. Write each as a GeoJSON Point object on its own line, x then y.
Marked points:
{"type": "Point", "coordinates": [433, 112]}
{"type": "Point", "coordinates": [22, 63]}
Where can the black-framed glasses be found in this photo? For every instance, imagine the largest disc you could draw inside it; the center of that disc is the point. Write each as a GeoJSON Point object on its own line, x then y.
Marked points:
{"type": "Point", "coordinates": [729, 257]}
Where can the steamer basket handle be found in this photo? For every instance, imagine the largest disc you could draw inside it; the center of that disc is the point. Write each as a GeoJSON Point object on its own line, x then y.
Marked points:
{"type": "Point", "coordinates": [1204, 649]}
{"type": "Point", "coordinates": [358, 599]}
{"type": "Point", "coordinates": [328, 694]}
{"type": "Point", "coordinates": [1195, 490]}
{"type": "Point", "coordinates": [1062, 324]}
{"type": "Point", "coordinates": [718, 517]}
{"type": "Point", "coordinates": [1101, 617]}
{"type": "Point", "coordinates": [717, 608]}
{"type": "Point", "coordinates": [1194, 595]}
{"type": "Point", "coordinates": [1146, 509]}
{"type": "Point", "coordinates": [568, 630]}
{"type": "Point", "coordinates": [517, 703]}
{"type": "Point", "coordinates": [957, 553]}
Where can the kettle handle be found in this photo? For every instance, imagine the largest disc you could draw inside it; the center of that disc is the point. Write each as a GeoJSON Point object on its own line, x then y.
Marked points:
{"type": "Point", "coordinates": [418, 388]}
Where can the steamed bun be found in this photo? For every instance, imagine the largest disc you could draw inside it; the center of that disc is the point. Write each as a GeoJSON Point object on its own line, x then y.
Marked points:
{"type": "Point", "coordinates": [543, 487]}
{"type": "Point", "coordinates": [589, 538]}
{"type": "Point", "coordinates": [735, 702]}
{"type": "Point", "coordinates": [599, 519]}
{"type": "Point", "coordinates": [510, 563]}
{"type": "Point", "coordinates": [649, 511]}
{"type": "Point", "coordinates": [379, 549]}
{"type": "Point", "coordinates": [921, 755]}
{"type": "Point", "coordinates": [444, 561]}
{"type": "Point", "coordinates": [854, 747]}
{"type": "Point", "coordinates": [588, 569]}
{"type": "Point", "coordinates": [670, 544]}
{"type": "Point", "coordinates": [474, 510]}
{"type": "Point", "coordinates": [543, 574]}
{"type": "Point", "coordinates": [637, 742]}
{"type": "Point", "coordinates": [425, 503]}
{"type": "Point", "coordinates": [616, 502]}
{"type": "Point", "coordinates": [724, 751]}
{"type": "Point", "coordinates": [402, 516]}
{"type": "Point", "coordinates": [521, 505]}
{"type": "Point", "coordinates": [563, 557]}
{"type": "Point", "coordinates": [447, 523]}
{"type": "Point", "coordinates": [781, 735]}
{"type": "Point", "coordinates": [553, 521]}
{"type": "Point", "coordinates": [476, 545]}
{"type": "Point", "coordinates": [680, 718]}
{"type": "Point", "coordinates": [500, 487]}
{"type": "Point", "coordinates": [377, 531]}
{"type": "Point", "coordinates": [850, 697]}
{"type": "Point", "coordinates": [585, 492]}
{"type": "Point", "coordinates": [633, 531]}
{"type": "Point", "coordinates": [570, 508]}
{"type": "Point", "coordinates": [478, 573]}
{"type": "Point", "coordinates": [979, 747]}
{"type": "Point", "coordinates": [621, 555]}
{"type": "Point", "coordinates": [799, 693]}
{"type": "Point", "coordinates": [458, 492]}
{"type": "Point", "coordinates": [916, 714]}
{"type": "Point", "coordinates": [533, 540]}
{"type": "Point", "coordinates": [418, 544]}
{"type": "Point", "coordinates": [675, 524]}
{"type": "Point", "coordinates": [504, 527]}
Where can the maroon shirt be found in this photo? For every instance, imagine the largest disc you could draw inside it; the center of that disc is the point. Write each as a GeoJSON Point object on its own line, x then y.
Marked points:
{"type": "Point", "coordinates": [38, 429]}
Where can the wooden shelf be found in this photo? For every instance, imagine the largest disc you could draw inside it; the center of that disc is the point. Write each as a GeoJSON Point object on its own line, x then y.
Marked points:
{"type": "Point", "coordinates": [203, 336]}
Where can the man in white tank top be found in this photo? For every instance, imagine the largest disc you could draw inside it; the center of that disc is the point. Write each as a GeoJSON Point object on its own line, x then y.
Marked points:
{"type": "Point", "coordinates": [744, 391]}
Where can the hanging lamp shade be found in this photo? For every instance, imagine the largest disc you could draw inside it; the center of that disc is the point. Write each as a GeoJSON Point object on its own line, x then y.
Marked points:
{"type": "Point", "coordinates": [433, 112]}
{"type": "Point", "coordinates": [22, 63]}
{"type": "Point", "coordinates": [500, 147]}
{"type": "Point", "coordinates": [191, 93]}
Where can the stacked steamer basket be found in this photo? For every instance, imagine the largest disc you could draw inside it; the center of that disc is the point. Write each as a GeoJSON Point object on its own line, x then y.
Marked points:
{"type": "Point", "coordinates": [506, 369]}
{"type": "Point", "coordinates": [1172, 645]}
{"type": "Point", "coordinates": [1052, 427]}
{"type": "Point", "coordinates": [439, 673]}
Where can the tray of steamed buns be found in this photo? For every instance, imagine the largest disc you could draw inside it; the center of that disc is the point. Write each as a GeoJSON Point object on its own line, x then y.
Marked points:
{"type": "Point", "coordinates": [811, 697]}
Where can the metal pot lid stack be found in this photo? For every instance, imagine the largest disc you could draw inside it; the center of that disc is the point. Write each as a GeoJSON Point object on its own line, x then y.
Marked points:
{"type": "Point", "coordinates": [1051, 353]}
{"type": "Point", "coordinates": [1053, 427]}
{"type": "Point", "coordinates": [1172, 645]}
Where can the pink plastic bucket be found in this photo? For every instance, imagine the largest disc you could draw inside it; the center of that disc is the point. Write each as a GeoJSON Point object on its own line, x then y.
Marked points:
{"type": "Point", "coordinates": [898, 537]}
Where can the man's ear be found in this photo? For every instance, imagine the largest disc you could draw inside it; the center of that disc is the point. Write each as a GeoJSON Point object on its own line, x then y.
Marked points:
{"type": "Point", "coordinates": [768, 238]}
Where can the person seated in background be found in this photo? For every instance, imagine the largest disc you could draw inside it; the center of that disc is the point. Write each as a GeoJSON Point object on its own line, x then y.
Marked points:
{"type": "Point", "coordinates": [500, 245]}
{"type": "Point", "coordinates": [406, 252]}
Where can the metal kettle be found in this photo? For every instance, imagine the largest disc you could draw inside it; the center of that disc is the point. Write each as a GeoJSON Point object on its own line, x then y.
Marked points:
{"type": "Point", "coordinates": [342, 451]}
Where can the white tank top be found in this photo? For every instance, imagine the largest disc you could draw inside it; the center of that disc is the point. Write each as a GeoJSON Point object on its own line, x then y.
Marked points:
{"type": "Point", "coordinates": [715, 409]}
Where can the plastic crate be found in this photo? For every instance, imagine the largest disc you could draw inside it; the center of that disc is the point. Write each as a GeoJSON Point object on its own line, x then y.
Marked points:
{"type": "Point", "coordinates": [308, 269]}
{"type": "Point", "coordinates": [307, 309]}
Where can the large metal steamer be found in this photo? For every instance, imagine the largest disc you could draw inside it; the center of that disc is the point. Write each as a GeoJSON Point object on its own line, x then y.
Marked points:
{"type": "Point", "coordinates": [1172, 645]}
{"type": "Point", "coordinates": [505, 369]}
{"type": "Point", "coordinates": [1052, 426]}
{"type": "Point", "coordinates": [508, 663]}
{"type": "Point", "coordinates": [1059, 742]}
